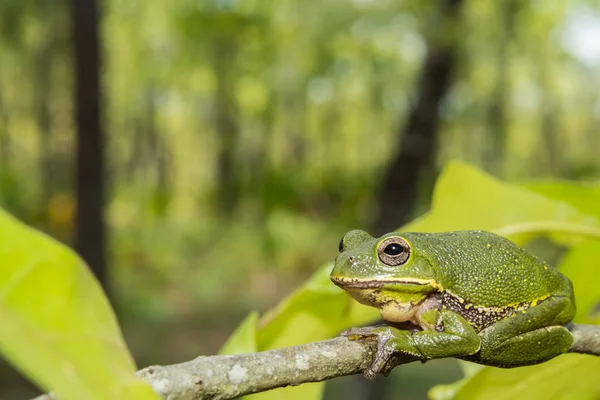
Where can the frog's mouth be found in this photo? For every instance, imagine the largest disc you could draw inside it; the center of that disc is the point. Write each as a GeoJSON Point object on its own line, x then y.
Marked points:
{"type": "Point", "coordinates": [354, 283]}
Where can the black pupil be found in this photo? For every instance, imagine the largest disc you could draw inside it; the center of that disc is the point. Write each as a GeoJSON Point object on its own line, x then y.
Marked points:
{"type": "Point", "coordinates": [393, 249]}
{"type": "Point", "coordinates": [341, 245]}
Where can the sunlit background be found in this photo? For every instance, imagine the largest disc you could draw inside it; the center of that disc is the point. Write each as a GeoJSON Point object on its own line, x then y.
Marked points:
{"type": "Point", "coordinates": [244, 138]}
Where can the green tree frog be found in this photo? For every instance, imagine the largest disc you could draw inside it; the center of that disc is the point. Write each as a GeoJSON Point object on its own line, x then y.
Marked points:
{"type": "Point", "coordinates": [472, 295]}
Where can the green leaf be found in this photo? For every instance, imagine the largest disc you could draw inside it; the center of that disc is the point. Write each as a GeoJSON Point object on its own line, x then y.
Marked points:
{"type": "Point", "coordinates": [580, 264]}
{"type": "Point", "coordinates": [570, 376]}
{"type": "Point", "coordinates": [583, 196]}
{"type": "Point", "coordinates": [243, 339]}
{"type": "Point", "coordinates": [466, 198]}
{"type": "Point", "coordinates": [448, 391]}
{"type": "Point", "coordinates": [57, 326]}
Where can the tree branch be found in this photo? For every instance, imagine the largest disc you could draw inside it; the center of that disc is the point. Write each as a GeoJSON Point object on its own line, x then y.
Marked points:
{"type": "Point", "coordinates": [228, 377]}
{"type": "Point", "coordinates": [587, 339]}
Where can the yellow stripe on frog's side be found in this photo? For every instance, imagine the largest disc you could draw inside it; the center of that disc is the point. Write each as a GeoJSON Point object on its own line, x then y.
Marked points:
{"type": "Point", "coordinates": [512, 306]}
{"type": "Point", "coordinates": [482, 316]}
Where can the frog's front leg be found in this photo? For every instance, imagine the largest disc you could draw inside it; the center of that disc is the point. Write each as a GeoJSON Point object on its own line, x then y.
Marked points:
{"type": "Point", "coordinates": [456, 338]}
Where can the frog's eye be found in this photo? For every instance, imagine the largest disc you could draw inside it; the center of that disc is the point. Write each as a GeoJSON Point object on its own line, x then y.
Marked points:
{"type": "Point", "coordinates": [341, 247]}
{"type": "Point", "coordinates": [393, 251]}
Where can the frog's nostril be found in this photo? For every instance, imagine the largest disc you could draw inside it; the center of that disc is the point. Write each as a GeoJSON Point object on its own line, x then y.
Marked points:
{"type": "Point", "coordinates": [351, 258]}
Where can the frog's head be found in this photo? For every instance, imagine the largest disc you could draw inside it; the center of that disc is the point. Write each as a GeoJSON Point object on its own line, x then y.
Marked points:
{"type": "Point", "coordinates": [387, 273]}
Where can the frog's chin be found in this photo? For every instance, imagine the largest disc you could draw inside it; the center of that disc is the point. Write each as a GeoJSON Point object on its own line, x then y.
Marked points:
{"type": "Point", "coordinates": [392, 309]}
{"type": "Point", "coordinates": [393, 306]}
{"type": "Point", "coordinates": [398, 300]}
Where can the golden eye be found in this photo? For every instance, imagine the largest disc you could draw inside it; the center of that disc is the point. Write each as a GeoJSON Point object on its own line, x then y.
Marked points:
{"type": "Point", "coordinates": [393, 251]}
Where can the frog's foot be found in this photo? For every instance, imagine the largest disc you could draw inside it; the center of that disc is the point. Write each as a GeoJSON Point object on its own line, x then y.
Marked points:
{"type": "Point", "coordinates": [391, 342]}
{"type": "Point", "coordinates": [455, 339]}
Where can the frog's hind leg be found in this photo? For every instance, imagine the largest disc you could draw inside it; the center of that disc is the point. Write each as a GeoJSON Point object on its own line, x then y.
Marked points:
{"type": "Point", "coordinates": [528, 337]}
{"type": "Point", "coordinates": [528, 348]}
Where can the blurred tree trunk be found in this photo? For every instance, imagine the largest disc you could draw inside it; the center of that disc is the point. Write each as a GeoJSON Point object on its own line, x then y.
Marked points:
{"type": "Point", "coordinates": [159, 154]}
{"type": "Point", "coordinates": [226, 126]}
{"type": "Point", "coordinates": [418, 138]}
{"type": "Point", "coordinates": [135, 157]}
{"type": "Point", "coordinates": [495, 149]}
{"type": "Point", "coordinates": [550, 119]}
{"type": "Point", "coordinates": [149, 156]}
{"type": "Point", "coordinates": [142, 130]}
{"type": "Point", "coordinates": [551, 135]}
{"type": "Point", "coordinates": [90, 228]}
{"type": "Point", "coordinates": [261, 160]}
{"type": "Point", "coordinates": [5, 139]}
{"type": "Point", "coordinates": [43, 97]}
{"type": "Point", "coordinates": [163, 191]}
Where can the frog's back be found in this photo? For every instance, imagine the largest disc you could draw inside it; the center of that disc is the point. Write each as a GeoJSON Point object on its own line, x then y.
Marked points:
{"type": "Point", "coordinates": [485, 269]}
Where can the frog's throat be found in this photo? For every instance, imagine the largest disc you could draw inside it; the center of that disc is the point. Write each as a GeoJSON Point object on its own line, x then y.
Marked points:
{"type": "Point", "coordinates": [398, 299]}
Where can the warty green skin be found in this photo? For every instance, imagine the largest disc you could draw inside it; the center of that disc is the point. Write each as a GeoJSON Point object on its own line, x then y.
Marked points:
{"type": "Point", "coordinates": [467, 294]}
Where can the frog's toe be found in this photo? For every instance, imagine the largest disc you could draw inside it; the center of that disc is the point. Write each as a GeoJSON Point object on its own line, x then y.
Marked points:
{"type": "Point", "coordinates": [359, 333]}
{"type": "Point", "coordinates": [386, 349]}
{"type": "Point", "coordinates": [370, 373]}
{"type": "Point", "coordinates": [390, 343]}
